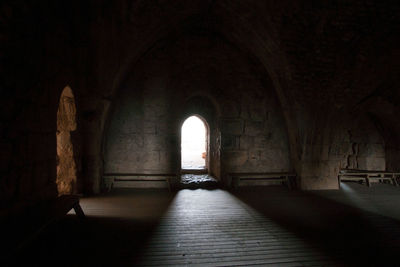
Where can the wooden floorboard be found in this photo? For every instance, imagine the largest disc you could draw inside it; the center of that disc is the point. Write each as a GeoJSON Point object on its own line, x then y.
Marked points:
{"type": "Point", "coordinates": [270, 226]}
{"type": "Point", "coordinates": [216, 228]}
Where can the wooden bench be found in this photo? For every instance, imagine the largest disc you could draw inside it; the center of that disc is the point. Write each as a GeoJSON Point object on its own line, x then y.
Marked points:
{"type": "Point", "coordinates": [249, 179]}
{"type": "Point", "coordinates": [368, 177]}
{"type": "Point", "coordinates": [138, 180]}
{"type": "Point", "coordinates": [24, 222]}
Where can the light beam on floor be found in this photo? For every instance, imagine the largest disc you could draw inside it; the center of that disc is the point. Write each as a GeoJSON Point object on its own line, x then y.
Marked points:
{"type": "Point", "coordinates": [214, 228]}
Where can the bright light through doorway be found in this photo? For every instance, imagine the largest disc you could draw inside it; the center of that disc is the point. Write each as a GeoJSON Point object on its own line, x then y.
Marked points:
{"type": "Point", "coordinates": [193, 146]}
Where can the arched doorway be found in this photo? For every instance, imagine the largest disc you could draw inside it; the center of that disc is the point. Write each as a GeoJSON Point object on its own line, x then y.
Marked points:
{"type": "Point", "coordinates": [66, 123]}
{"type": "Point", "coordinates": [194, 144]}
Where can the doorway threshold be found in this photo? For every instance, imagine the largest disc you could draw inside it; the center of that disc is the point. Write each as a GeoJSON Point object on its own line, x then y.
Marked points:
{"type": "Point", "coordinates": [194, 171]}
{"type": "Point", "coordinates": [197, 181]}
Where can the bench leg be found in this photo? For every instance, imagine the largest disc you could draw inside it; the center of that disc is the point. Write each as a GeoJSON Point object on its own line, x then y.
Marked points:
{"type": "Point", "coordinates": [394, 180]}
{"type": "Point", "coordinates": [288, 183]}
{"type": "Point", "coordinates": [168, 184]}
{"type": "Point", "coordinates": [235, 182]}
{"type": "Point", "coordinates": [78, 211]}
{"type": "Point", "coordinates": [367, 181]}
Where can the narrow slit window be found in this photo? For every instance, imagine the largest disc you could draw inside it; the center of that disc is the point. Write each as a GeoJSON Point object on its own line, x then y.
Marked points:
{"type": "Point", "coordinates": [66, 123]}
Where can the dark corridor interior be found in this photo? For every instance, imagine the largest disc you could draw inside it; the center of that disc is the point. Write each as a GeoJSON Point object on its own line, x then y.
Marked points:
{"type": "Point", "coordinates": [300, 103]}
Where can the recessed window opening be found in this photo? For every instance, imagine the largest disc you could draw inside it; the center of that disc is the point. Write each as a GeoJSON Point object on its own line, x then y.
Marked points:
{"type": "Point", "coordinates": [194, 144]}
{"type": "Point", "coordinates": [66, 123]}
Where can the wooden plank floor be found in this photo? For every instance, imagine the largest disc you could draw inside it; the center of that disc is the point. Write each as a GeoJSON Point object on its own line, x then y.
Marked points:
{"type": "Point", "coordinates": [356, 226]}
{"type": "Point", "coordinates": [215, 228]}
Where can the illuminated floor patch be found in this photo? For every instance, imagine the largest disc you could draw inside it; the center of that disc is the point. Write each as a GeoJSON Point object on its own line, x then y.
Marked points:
{"type": "Point", "coordinates": [214, 228]}
{"type": "Point", "coordinates": [194, 181]}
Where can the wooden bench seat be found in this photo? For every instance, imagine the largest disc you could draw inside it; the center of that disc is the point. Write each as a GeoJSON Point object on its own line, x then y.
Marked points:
{"type": "Point", "coordinates": [249, 179]}
{"type": "Point", "coordinates": [368, 177]}
{"type": "Point", "coordinates": [138, 180]}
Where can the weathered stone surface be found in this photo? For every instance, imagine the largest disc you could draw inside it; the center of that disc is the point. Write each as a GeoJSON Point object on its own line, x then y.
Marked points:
{"type": "Point", "coordinates": [232, 127]}
{"type": "Point", "coordinates": [257, 112]}
{"type": "Point", "coordinates": [234, 160]}
{"type": "Point", "coordinates": [371, 150]}
{"type": "Point", "coordinates": [325, 85]}
{"type": "Point", "coordinates": [254, 128]}
{"type": "Point", "coordinates": [246, 142]}
{"type": "Point", "coordinates": [230, 142]}
{"type": "Point", "coordinates": [371, 163]}
{"type": "Point", "coordinates": [149, 127]}
{"type": "Point", "coordinates": [261, 142]}
{"type": "Point", "coordinates": [242, 124]}
{"type": "Point", "coordinates": [230, 109]}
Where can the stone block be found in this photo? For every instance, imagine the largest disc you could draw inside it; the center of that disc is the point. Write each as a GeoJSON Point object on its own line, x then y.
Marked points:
{"type": "Point", "coordinates": [130, 141]}
{"type": "Point", "coordinates": [139, 162]}
{"type": "Point", "coordinates": [254, 128]}
{"type": "Point", "coordinates": [257, 113]}
{"type": "Point", "coordinates": [230, 142]}
{"type": "Point", "coordinates": [234, 160]}
{"type": "Point", "coordinates": [230, 109]}
{"type": "Point", "coordinates": [309, 168]}
{"type": "Point", "coordinates": [325, 152]}
{"type": "Point", "coordinates": [261, 142]}
{"type": "Point", "coordinates": [318, 183]}
{"type": "Point", "coordinates": [345, 148]}
{"type": "Point", "coordinates": [234, 127]}
{"type": "Point", "coordinates": [255, 157]}
{"type": "Point", "coordinates": [374, 136]}
{"type": "Point", "coordinates": [368, 135]}
{"type": "Point", "coordinates": [163, 126]}
{"type": "Point", "coordinates": [150, 160]}
{"type": "Point", "coordinates": [154, 109]}
{"type": "Point", "coordinates": [373, 150]}
{"type": "Point", "coordinates": [128, 126]}
{"type": "Point", "coordinates": [155, 142]}
{"type": "Point", "coordinates": [329, 168]}
{"type": "Point", "coordinates": [246, 142]}
{"type": "Point", "coordinates": [172, 140]}
{"type": "Point", "coordinates": [371, 163]}
{"type": "Point", "coordinates": [149, 127]}
{"type": "Point", "coordinates": [269, 156]}
{"type": "Point", "coordinates": [274, 157]}
{"type": "Point", "coordinates": [168, 162]}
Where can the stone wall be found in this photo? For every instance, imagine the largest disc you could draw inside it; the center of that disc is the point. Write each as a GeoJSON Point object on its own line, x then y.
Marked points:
{"type": "Point", "coordinates": [254, 137]}
{"type": "Point", "coordinates": [239, 106]}
{"type": "Point", "coordinates": [37, 61]}
{"type": "Point", "coordinates": [274, 70]}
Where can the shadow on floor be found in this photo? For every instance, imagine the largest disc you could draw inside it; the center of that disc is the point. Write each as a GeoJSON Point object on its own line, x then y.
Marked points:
{"type": "Point", "coordinates": [97, 240]}
{"type": "Point", "coordinates": [355, 236]}
{"type": "Point", "coordinates": [340, 231]}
